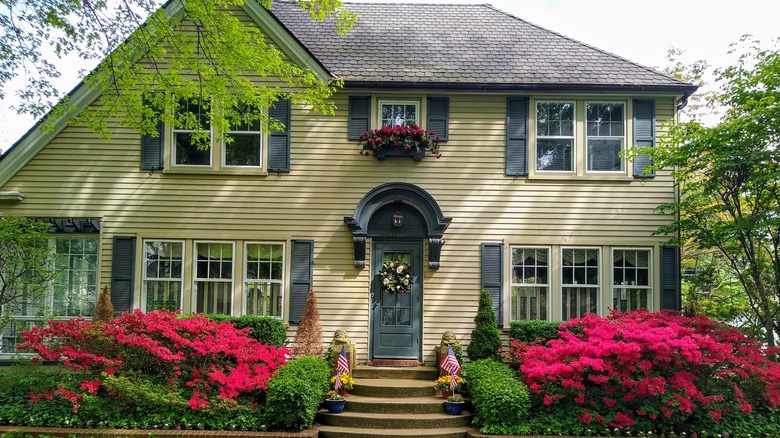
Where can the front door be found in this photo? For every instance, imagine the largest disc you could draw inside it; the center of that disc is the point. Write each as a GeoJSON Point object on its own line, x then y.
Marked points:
{"type": "Point", "coordinates": [396, 327]}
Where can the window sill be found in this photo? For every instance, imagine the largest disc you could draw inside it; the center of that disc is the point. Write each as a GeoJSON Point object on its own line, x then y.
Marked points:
{"type": "Point", "coordinates": [211, 171]}
{"type": "Point", "coordinates": [591, 177]}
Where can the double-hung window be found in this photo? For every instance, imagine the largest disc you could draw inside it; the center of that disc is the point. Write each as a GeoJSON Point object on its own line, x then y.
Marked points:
{"type": "Point", "coordinates": [188, 148]}
{"type": "Point", "coordinates": [394, 113]}
{"type": "Point", "coordinates": [214, 277]}
{"type": "Point", "coordinates": [243, 144]}
{"type": "Point", "coordinates": [554, 136]}
{"type": "Point", "coordinates": [263, 279]}
{"type": "Point", "coordinates": [631, 287]}
{"type": "Point", "coordinates": [163, 275]}
{"type": "Point", "coordinates": [530, 283]}
{"type": "Point", "coordinates": [605, 136]}
{"type": "Point", "coordinates": [580, 281]}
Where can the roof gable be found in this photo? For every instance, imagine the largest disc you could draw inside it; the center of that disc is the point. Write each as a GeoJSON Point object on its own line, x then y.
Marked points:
{"type": "Point", "coordinates": [458, 44]}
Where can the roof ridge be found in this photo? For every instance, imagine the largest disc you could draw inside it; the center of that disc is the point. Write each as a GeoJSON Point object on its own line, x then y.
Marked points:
{"type": "Point", "coordinates": [649, 69]}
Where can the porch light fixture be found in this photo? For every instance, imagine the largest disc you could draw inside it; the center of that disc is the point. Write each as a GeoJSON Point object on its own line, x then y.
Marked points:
{"type": "Point", "coordinates": [398, 219]}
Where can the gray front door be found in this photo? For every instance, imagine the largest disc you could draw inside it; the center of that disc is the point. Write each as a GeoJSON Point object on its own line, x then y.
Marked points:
{"type": "Point", "coordinates": [396, 326]}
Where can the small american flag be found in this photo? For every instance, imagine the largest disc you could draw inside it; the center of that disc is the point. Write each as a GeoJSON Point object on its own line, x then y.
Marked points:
{"type": "Point", "coordinates": [342, 366]}
{"type": "Point", "coordinates": [451, 365]}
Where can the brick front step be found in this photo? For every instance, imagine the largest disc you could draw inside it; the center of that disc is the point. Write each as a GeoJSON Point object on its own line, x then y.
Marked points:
{"type": "Point", "coordinates": [410, 405]}
{"type": "Point", "coordinates": [336, 432]}
{"type": "Point", "coordinates": [394, 421]}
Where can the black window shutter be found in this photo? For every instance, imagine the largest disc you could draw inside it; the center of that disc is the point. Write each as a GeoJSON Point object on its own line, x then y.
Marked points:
{"type": "Point", "coordinates": [301, 276]}
{"type": "Point", "coordinates": [123, 273]}
{"type": "Point", "coordinates": [516, 136]}
{"type": "Point", "coordinates": [644, 134]}
{"type": "Point", "coordinates": [439, 117]}
{"type": "Point", "coordinates": [492, 278]}
{"type": "Point", "coordinates": [279, 141]}
{"type": "Point", "coordinates": [152, 149]}
{"type": "Point", "coordinates": [359, 116]}
{"type": "Point", "coordinates": [670, 278]}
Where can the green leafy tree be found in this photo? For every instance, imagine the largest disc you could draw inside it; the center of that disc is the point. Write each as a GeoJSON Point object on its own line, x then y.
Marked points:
{"type": "Point", "coordinates": [729, 179]}
{"type": "Point", "coordinates": [153, 57]}
{"type": "Point", "coordinates": [25, 265]}
{"type": "Point", "coordinates": [485, 341]}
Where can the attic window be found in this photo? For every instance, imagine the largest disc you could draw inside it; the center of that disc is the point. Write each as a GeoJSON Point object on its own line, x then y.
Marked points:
{"type": "Point", "coordinates": [396, 113]}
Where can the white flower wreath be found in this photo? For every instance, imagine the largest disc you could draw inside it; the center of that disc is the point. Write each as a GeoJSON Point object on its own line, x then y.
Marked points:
{"type": "Point", "coordinates": [395, 276]}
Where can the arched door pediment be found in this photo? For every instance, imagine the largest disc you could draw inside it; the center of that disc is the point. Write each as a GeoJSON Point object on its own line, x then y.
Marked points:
{"type": "Point", "coordinates": [373, 217]}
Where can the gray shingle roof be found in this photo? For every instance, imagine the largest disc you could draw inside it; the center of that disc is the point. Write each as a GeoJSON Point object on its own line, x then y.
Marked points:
{"type": "Point", "coordinates": [461, 45]}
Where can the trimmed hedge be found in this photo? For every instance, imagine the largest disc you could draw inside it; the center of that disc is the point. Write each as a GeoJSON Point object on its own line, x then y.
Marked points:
{"type": "Point", "coordinates": [530, 331]}
{"type": "Point", "coordinates": [501, 402]}
{"type": "Point", "coordinates": [265, 329]}
{"type": "Point", "coordinates": [295, 393]}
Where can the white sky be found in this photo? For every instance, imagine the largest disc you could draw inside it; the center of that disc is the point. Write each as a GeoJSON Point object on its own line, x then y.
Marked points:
{"type": "Point", "coordinates": [639, 31]}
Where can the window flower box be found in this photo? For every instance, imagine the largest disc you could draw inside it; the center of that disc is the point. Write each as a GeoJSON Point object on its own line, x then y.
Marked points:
{"type": "Point", "coordinates": [399, 141]}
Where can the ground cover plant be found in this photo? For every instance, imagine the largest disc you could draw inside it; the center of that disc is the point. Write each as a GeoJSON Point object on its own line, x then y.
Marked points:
{"type": "Point", "coordinates": [146, 371]}
{"type": "Point", "coordinates": [641, 372]}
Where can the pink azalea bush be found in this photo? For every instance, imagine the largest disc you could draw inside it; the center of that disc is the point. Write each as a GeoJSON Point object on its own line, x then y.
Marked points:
{"type": "Point", "coordinates": [203, 361]}
{"type": "Point", "coordinates": [650, 371]}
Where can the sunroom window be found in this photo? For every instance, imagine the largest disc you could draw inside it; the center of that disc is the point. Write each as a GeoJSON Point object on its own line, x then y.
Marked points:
{"type": "Point", "coordinates": [214, 277]}
{"type": "Point", "coordinates": [554, 136]}
{"type": "Point", "coordinates": [530, 283]}
{"type": "Point", "coordinates": [394, 113]}
{"type": "Point", "coordinates": [163, 275]}
{"type": "Point", "coordinates": [187, 151]}
{"type": "Point", "coordinates": [605, 133]}
{"type": "Point", "coordinates": [631, 288]}
{"type": "Point", "coordinates": [580, 285]}
{"type": "Point", "coordinates": [264, 279]}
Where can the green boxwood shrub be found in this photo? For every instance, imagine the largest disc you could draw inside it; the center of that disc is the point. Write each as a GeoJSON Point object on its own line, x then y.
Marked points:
{"type": "Point", "coordinates": [295, 393]}
{"type": "Point", "coordinates": [501, 402]}
{"type": "Point", "coordinates": [530, 331]}
{"type": "Point", "coordinates": [265, 329]}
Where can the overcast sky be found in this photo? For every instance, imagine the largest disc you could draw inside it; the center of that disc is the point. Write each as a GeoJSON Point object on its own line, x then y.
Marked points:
{"type": "Point", "coordinates": [639, 31]}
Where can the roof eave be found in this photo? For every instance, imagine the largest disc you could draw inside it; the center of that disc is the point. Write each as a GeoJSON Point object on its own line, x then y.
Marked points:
{"type": "Point", "coordinates": [683, 89]}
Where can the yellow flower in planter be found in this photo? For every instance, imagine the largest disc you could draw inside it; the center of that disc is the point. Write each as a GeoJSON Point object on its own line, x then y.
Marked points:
{"type": "Point", "coordinates": [443, 382]}
{"type": "Point", "coordinates": [346, 381]}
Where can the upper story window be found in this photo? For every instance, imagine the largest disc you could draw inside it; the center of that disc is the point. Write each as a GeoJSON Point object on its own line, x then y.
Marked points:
{"type": "Point", "coordinates": [189, 147]}
{"type": "Point", "coordinates": [163, 275]}
{"type": "Point", "coordinates": [394, 113]}
{"type": "Point", "coordinates": [243, 144]}
{"type": "Point", "coordinates": [631, 287]}
{"type": "Point", "coordinates": [554, 136]}
{"type": "Point", "coordinates": [605, 136]}
{"type": "Point", "coordinates": [530, 283]}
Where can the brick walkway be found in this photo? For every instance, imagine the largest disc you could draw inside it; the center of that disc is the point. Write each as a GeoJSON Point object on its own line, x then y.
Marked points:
{"type": "Point", "coordinates": [113, 433]}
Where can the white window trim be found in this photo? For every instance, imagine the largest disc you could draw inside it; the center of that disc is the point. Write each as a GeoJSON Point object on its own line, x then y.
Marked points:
{"type": "Point", "coordinates": [624, 138]}
{"type": "Point", "coordinates": [573, 138]}
{"type": "Point", "coordinates": [144, 279]}
{"type": "Point", "coordinates": [550, 274]}
{"type": "Point", "coordinates": [650, 274]}
{"type": "Point", "coordinates": [246, 280]}
{"type": "Point", "coordinates": [416, 104]}
{"type": "Point", "coordinates": [195, 278]}
{"type": "Point", "coordinates": [599, 287]}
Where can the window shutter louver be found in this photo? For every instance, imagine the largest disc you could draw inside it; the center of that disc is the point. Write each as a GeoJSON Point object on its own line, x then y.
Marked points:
{"type": "Point", "coordinates": [492, 279]}
{"type": "Point", "coordinates": [516, 136]}
{"type": "Point", "coordinates": [439, 117]}
{"type": "Point", "coordinates": [279, 141]}
{"type": "Point", "coordinates": [152, 149]}
{"type": "Point", "coordinates": [123, 274]}
{"type": "Point", "coordinates": [644, 134]}
{"type": "Point", "coordinates": [670, 278]}
{"type": "Point", "coordinates": [359, 116]}
{"type": "Point", "coordinates": [301, 276]}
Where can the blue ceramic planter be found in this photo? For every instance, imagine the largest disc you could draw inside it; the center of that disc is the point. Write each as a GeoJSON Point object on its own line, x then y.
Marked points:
{"type": "Point", "coordinates": [335, 406]}
{"type": "Point", "coordinates": [453, 408]}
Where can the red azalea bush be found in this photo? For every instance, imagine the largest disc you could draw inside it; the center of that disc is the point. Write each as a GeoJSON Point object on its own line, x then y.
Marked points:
{"type": "Point", "coordinates": [400, 137]}
{"type": "Point", "coordinates": [196, 358]}
{"type": "Point", "coordinates": [651, 371]}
